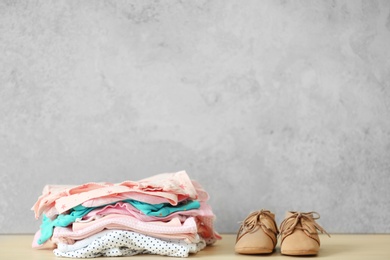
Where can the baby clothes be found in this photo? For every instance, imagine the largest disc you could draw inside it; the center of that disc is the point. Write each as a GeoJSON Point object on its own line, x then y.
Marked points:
{"type": "Point", "coordinates": [166, 187]}
{"type": "Point", "coordinates": [168, 230]}
{"type": "Point", "coordinates": [165, 214]}
{"type": "Point", "coordinates": [62, 220]}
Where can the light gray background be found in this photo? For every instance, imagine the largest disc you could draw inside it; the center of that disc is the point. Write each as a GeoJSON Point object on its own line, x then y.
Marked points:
{"type": "Point", "coordinates": [283, 105]}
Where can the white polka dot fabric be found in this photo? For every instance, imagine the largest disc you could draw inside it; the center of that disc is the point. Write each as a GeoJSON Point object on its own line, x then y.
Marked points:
{"type": "Point", "coordinates": [126, 243]}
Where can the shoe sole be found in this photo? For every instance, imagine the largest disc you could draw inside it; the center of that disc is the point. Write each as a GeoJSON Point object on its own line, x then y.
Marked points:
{"type": "Point", "coordinates": [299, 252]}
{"type": "Point", "coordinates": [253, 251]}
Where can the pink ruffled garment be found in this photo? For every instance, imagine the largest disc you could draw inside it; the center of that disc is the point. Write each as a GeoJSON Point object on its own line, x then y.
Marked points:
{"type": "Point", "coordinates": [160, 188]}
{"type": "Point", "coordinates": [46, 203]}
{"type": "Point", "coordinates": [202, 195]}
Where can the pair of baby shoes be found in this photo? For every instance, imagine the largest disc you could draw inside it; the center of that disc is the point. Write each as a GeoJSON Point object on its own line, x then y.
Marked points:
{"type": "Point", "coordinates": [299, 234]}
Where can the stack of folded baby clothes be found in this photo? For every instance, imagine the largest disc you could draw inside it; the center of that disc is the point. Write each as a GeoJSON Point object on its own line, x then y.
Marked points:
{"type": "Point", "coordinates": [166, 214]}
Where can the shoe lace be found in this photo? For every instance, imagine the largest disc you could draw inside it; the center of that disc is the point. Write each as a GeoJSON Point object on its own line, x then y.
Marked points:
{"type": "Point", "coordinates": [252, 223]}
{"type": "Point", "coordinates": [298, 217]}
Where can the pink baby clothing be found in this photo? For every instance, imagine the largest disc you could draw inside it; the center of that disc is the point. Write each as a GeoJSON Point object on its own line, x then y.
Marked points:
{"type": "Point", "coordinates": [171, 187]}
{"type": "Point", "coordinates": [135, 195]}
{"type": "Point", "coordinates": [173, 229]}
{"type": "Point", "coordinates": [51, 193]}
{"type": "Point", "coordinates": [174, 187]}
{"type": "Point", "coordinates": [175, 183]}
{"type": "Point", "coordinates": [138, 196]}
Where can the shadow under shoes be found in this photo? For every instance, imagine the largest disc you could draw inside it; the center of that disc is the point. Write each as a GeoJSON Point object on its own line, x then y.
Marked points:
{"type": "Point", "coordinates": [299, 234]}
{"type": "Point", "coordinates": [257, 234]}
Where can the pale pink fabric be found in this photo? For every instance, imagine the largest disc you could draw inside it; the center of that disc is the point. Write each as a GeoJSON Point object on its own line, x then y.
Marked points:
{"type": "Point", "coordinates": [204, 216]}
{"type": "Point", "coordinates": [97, 202]}
{"type": "Point", "coordinates": [176, 183]}
{"type": "Point", "coordinates": [171, 187]}
{"type": "Point", "coordinates": [172, 229]}
{"type": "Point", "coordinates": [135, 195]}
{"type": "Point", "coordinates": [46, 202]}
{"type": "Point", "coordinates": [202, 194]}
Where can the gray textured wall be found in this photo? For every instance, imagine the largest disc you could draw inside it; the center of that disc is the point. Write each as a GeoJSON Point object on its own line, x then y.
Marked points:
{"type": "Point", "coordinates": [282, 105]}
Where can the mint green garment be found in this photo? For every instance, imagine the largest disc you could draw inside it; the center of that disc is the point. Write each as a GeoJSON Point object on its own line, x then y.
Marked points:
{"type": "Point", "coordinates": [62, 220]}
{"type": "Point", "coordinates": [163, 209]}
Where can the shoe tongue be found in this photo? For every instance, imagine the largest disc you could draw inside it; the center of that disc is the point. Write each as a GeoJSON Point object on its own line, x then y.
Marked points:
{"type": "Point", "coordinates": [290, 213]}
{"type": "Point", "coordinates": [270, 213]}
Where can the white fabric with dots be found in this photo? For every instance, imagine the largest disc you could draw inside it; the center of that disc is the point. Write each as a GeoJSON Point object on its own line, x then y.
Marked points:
{"type": "Point", "coordinates": [127, 243]}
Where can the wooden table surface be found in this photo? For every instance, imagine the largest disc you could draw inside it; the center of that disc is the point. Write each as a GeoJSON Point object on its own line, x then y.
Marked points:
{"type": "Point", "coordinates": [339, 246]}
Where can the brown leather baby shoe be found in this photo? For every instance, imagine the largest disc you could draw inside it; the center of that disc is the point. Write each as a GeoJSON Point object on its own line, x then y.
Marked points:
{"type": "Point", "coordinates": [257, 234]}
{"type": "Point", "coordinates": [299, 234]}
